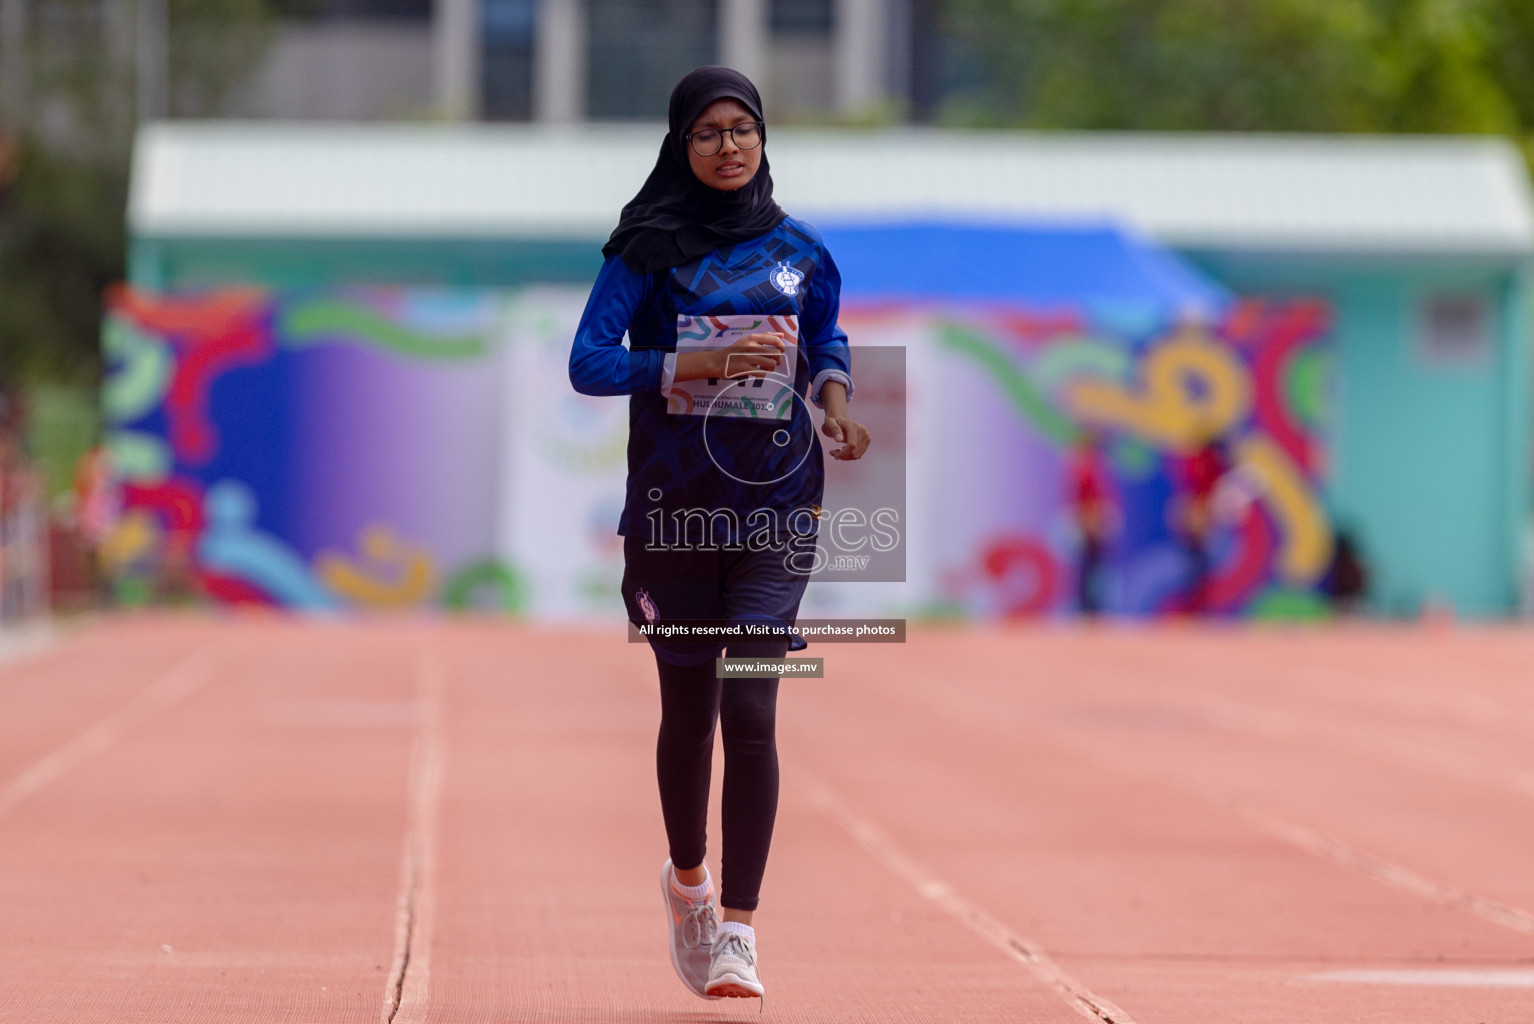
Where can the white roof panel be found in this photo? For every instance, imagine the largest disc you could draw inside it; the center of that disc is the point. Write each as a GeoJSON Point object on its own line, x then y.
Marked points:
{"type": "Point", "coordinates": [1337, 193]}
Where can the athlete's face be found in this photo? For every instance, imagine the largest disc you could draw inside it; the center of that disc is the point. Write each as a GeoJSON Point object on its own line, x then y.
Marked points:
{"type": "Point", "coordinates": [731, 167]}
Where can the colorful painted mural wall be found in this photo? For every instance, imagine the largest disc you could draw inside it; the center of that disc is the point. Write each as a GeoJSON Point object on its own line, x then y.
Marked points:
{"type": "Point", "coordinates": [402, 448]}
{"type": "Point", "coordinates": [316, 451]}
{"type": "Point", "coordinates": [1183, 429]}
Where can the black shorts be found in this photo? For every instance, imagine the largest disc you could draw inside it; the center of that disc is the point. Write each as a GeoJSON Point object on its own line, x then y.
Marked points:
{"type": "Point", "coordinates": [720, 585]}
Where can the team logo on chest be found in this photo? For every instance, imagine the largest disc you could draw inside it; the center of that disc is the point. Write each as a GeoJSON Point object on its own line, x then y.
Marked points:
{"type": "Point", "coordinates": [786, 279]}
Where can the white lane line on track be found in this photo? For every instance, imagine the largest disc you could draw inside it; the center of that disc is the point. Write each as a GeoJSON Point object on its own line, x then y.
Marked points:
{"type": "Point", "coordinates": [1337, 852]}
{"type": "Point", "coordinates": [1276, 724]}
{"type": "Point", "coordinates": [1453, 978]}
{"type": "Point", "coordinates": [1316, 843]}
{"type": "Point", "coordinates": [169, 689]}
{"type": "Point", "coordinates": [408, 987]}
{"type": "Point", "coordinates": [878, 843]}
{"type": "Point", "coordinates": [1241, 715]}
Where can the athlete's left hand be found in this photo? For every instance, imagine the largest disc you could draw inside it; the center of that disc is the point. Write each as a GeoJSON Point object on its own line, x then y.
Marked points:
{"type": "Point", "coordinates": [852, 434]}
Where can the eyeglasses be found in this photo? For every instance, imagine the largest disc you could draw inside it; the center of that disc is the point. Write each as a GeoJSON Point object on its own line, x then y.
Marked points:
{"type": "Point", "coordinates": [709, 141]}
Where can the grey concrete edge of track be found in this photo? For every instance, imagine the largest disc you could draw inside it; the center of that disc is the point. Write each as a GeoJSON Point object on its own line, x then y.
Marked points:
{"type": "Point", "coordinates": [23, 642]}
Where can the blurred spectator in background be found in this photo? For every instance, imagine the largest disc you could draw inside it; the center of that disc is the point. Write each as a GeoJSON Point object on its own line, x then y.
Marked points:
{"type": "Point", "coordinates": [1096, 515]}
{"type": "Point", "coordinates": [1193, 514]}
{"type": "Point", "coordinates": [13, 414]}
{"type": "Point", "coordinates": [1346, 583]}
{"type": "Point", "coordinates": [98, 504]}
{"type": "Point", "coordinates": [23, 524]}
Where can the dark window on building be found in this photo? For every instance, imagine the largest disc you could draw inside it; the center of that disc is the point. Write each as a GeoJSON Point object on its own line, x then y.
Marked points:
{"type": "Point", "coordinates": [323, 10]}
{"type": "Point", "coordinates": [509, 28]}
{"type": "Point", "coordinates": [941, 67]}
{"type": "Point", "coordinates": [801, 17]}
{"type": "Point", "coordinates": [637, 50]}
{"type": "Point", "coordinates": [1454, 329]}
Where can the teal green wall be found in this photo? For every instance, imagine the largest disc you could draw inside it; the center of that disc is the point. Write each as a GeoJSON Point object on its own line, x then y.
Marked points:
{"type": "Point", "coordinates": [288, 263]}
{"type": "Point", "coordinates": [1518, 417]}
{"type": "Point", "coordinates": [1429, 464]}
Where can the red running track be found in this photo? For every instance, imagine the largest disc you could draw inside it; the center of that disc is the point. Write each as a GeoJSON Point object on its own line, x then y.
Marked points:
{"type": "Point", "coordinates": [257, 819]}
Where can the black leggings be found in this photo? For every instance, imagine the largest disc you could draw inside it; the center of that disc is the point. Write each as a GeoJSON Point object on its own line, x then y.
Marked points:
{"type": "Point", "coordinates": [692, 699]}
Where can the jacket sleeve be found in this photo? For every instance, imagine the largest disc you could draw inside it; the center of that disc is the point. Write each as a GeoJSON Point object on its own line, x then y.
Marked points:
{"type": "Point", "coordinates": [824, 340]}
{"type": "Point", "coordinates": [599, 362]}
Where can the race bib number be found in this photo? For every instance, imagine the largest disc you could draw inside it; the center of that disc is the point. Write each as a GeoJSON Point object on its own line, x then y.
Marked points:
{"type": "Point", "coordinates": [769, 398]}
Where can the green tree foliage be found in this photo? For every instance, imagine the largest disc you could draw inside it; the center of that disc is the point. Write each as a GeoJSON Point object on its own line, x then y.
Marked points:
{"type": "Point", "coordinates": [1250, 65]}
{"type": "Point", "coordinates": [1512, 34]}
{"type": "Point", "coordinates": [65, 143]}
{"type": "Point", "coordinates": [61, 243]}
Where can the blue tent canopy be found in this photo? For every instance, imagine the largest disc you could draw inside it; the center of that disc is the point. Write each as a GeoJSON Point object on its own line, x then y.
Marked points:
{"type": "Point", "coordinates": [1081, 265]}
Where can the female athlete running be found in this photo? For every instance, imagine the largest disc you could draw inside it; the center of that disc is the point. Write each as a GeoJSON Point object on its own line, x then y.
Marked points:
{"type": "Point", "coordinates": [725, 477]}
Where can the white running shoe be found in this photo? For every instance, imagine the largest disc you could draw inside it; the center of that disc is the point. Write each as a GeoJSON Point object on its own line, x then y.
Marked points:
{"type": "Point", "coordinates": [692, 924]}
{"type": "Point", "coordinates": [733, 971]}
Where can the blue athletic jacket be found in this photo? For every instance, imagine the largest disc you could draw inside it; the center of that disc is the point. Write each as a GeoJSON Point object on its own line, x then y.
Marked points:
{"type": "Point", "coordinates": [712, 474]}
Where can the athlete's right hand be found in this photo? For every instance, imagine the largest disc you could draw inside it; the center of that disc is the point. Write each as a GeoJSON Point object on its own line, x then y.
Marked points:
{"type": "Point", "coordinates": [755, 355]}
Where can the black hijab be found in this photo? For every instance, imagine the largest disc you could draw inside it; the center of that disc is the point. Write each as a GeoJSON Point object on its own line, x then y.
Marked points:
{"type": "Point", "coordinates": [675, 218]}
